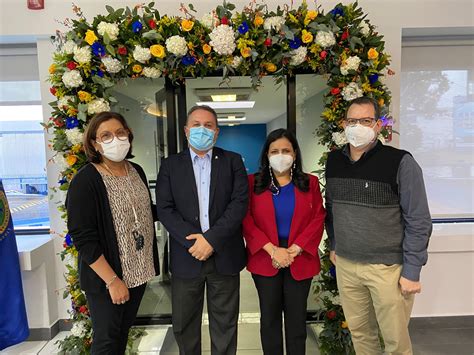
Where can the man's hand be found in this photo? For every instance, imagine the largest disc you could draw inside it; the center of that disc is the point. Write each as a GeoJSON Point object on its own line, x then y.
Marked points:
{"type": "Point", "coordinates": [332, 256]}
{"type": "Point", "coordinates": [408, 287]}
{"type": "Point", "coordinates": [295, 250]}
{"type": "Point", "coordinates": [201, 249]}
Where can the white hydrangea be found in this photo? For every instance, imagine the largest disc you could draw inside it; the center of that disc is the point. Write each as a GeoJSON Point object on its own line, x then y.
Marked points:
{"type": "Point", "coordinates": [352, 91]}
{"type": "Point", "coordinates": [339, 138]}
{"type": "Point", "coordinates": [298, 56]}
{"type": "Point", "coordinates": [70, 260]}
{"type": "Point", "coordinates": [364, 28]}
{"type": "Point", "coordinates": [72, 79]}
{"type": "Point", "coordinates": [325, 39]}
{"type": "Point", "coordinates": [63, 102]}
{"type": "Point", "coordinates": [69, 47]}
{"type": "Point", "coordinates": [351, 63]}
{"type": "Point", "coordinates": [61, 162]}
{"type": "Point", "coordinates": [111, 29]}
{"type": "Point", "coordinates": [141, 54]}
{"type": "Point", "coordinates": [274, 23]}
{"type": "Point", "coordinates": [209, 20]}
{"type": "Point", "coordinates": [97, 106]}
{"type": "Point", "coordinates": [82, 55]}
{"type": "Point", "coordinates": [177, 45]}
{"type": "Point", "coordinates": [74, 135]}
{"type": "Point", "coordinates": [151, 72]}
{"type": "Point", "coordinates": [112, 65]}
{"type": "Point", "coordinates": [79, 329]}
{"type": "Point", "coordinates": [223, 40]}
{"type": "Point", "coordinates": [236, 62]}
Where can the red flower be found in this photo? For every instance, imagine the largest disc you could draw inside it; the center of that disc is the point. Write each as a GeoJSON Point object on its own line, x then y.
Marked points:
{"type": "Point", "coordinates": [268, 42]}
{"type": "Point", "coordinates": [323, 54]}
{"type": "Point", "coordinates": [331, 314]}
{"type": "Point", "coordinates": [345, 35]}
{"type": "Point", "coordinates": [152, 24]}
{"type": "Point", "coordinates": [83, 309]}
{"type": "Point", "coordinates": [335, 91]}
{"type": "Point", "coordinates": [52, 90]}
{"type": "Point", "coordinates": [58, 122]}
{"type": "Point", "coordinates": [64, 245]}
{"type": "Point", "coordinates": [71, 65]}
{"type": "Point", "coordinates": [224, 21]}
{"type": "Point", "coordinates": [122, 50]}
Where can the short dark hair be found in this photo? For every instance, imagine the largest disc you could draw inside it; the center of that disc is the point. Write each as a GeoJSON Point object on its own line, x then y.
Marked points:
{"type": "Point", "coordinates": [90, 134]}
{"type": "Point", "coordinates": [203, 107]}
{"type": "Point", "coordinates": [365, 100]}
{"type": "Point", "coordinates": [263, 178]}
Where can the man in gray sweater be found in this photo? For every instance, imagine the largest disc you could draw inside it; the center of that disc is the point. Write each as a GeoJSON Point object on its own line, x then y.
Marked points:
{"type": "Point", "coordinates": [379, 225]}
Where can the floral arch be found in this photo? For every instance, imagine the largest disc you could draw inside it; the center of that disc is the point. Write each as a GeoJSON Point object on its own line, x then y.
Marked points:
{"type": "Point", "coordinates": [137, 42]}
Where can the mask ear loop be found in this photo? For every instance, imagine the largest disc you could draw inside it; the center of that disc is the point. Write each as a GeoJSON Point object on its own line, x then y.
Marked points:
{"type": "Point", "coordinates": [273, 188]}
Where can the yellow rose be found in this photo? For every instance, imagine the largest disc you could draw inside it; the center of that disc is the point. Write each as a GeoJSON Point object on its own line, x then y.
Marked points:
{"type": "Point", "coordinates": [191, 46]}
{"type": "Point", "coordinates": [84, 96]}
{"type": "Point", "coordinates": [306, 36]}
{"type": "Point", "coordinates": [71, 160]}
{"type": "Point", "coordinates": [187, 25]}
{"type": "Point", "coordinates": [344, 324]}
{"type": "Point", "coordinates": [246, 52]}
{"type": "Point", "coordinates": [310, 16]}
{"type": "Point", "coordinates": [372, 54]}
{"type": "Point", "coordinates": [52, 69]}
{"type": "Point", "coordinates": [137, 68]}
{"type": "Point", "coordinates": [258, 21]}
{"type": "Point", "coordinates": [76, 148]}
{"type": "Point", "coordinates": [270, 67]}
{"type": "Point", "coordinates": [90, 37]}
{"type": "Point", "coordinates": [381, 102]}
{"type": "Point", "coordinates": [206, 48]}
{"type": "Point", "coordinates": [157, 50]}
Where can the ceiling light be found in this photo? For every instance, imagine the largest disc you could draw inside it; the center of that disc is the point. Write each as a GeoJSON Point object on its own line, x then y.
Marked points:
{"type": "Point", "coordinates": [224, 98]}
{"type": "Point", "coordinates": [226, 105]}
{"type": "Point", "coordinates": [234, 119]}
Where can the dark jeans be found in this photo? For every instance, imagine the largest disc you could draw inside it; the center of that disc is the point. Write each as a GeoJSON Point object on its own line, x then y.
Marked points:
{"type": "Point", "coordinates": [222, 292]}
{"type": "Point", "coordinates": [111, 322]}
{"type": "Point", "coordinates": [277, 294]}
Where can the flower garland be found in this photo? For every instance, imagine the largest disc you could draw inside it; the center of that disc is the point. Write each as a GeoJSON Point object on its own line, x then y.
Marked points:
{"type": "Point", "coordinates": [140, 42]}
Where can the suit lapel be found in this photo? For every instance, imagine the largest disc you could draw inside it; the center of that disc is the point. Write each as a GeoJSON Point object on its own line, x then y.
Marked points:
{"type": "Point", "coordinates": [267, 200]}
{"type": "Point", "coordinates": [215, 163]}
{"type": "Point", "coordinates": [189, 171]}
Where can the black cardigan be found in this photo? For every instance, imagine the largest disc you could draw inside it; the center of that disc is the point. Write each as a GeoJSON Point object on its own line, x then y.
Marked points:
{"type": "Point", "coordinates": [91, 226]}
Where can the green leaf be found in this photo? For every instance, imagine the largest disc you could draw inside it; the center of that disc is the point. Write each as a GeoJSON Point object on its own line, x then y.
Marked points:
{"type": "Point", "coordinates": [82, 116]}
{"type": "Point", "coordinates": [153, 35]}
{"type": "Point", "coordinates": [110, 49]}
{"type": "Point", "coordinates": [82, 107]}
{"type": "Point", "coordinates": [109, 9]}
{"type": "Point", "coordinates": [191, 7]}
{"type": "Point", "coordinates": [106, 38]}
{"type": "Point", "coordinates": [118, 13]}
{"type": "Point", "coordinates": [112, 99]}
{"type": "Point", "coordinates": [151, 4]}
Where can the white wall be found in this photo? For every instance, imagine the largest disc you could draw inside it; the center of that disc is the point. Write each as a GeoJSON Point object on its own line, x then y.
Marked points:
{"type": "Point", "coordinates": [390, 16]}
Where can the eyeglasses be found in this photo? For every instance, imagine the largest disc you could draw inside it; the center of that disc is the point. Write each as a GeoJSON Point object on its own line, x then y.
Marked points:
{"type": "Point", "coordinates": [107, 137]}
{"type": "Point", "coordinates": [365, 121]}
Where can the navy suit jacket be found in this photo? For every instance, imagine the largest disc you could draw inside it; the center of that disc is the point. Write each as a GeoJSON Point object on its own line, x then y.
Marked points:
{"type": "Point", "coordinates": [178, 210]}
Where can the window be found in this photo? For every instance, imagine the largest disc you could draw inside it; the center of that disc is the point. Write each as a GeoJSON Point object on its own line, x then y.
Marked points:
{"type": "Point", "coordinates": [437, 122]}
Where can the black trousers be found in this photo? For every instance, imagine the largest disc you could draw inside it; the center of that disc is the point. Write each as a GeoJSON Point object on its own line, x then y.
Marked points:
{"type": "Point", "coordinates": [187, 297]}
{"type": "Point", "coordinates": [277, 294]}
{"type": "Point", "coordinates": [111, 322]}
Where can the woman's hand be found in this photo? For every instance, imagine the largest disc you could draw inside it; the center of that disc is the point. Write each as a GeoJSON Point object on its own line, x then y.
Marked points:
{"type": "Point", "coordinates": [282, 258]}
{"type": "Point", "coordinates": [119, 292]}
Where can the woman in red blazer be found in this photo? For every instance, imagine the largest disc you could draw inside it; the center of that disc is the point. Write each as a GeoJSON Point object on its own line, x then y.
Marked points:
{"type": "Point", "coordinates": [282, 229]}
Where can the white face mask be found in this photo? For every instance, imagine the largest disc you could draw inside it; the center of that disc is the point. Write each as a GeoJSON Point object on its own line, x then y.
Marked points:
{"type": "Point", "coordinates": [359, 136]}
{"type": "Point", "coordinates": [281, 162]}
{"type": "Point", "coordinates": [116, 150]}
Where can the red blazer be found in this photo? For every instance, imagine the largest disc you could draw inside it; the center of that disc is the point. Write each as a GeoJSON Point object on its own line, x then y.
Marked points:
{"type": "Point", "coordinates": [259, 228]}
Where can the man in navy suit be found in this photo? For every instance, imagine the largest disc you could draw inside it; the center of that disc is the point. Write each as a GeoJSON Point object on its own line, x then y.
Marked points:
{"type": "Point", "coordinates": [202, 197]}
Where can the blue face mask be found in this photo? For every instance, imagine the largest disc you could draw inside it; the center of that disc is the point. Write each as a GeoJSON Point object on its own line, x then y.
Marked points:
{"type": "Point", "coordinates": [201, 138]}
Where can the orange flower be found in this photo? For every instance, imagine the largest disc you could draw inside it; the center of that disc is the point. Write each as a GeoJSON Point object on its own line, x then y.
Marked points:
{"type": "Point", "coordinates": [344, 324]}
{"type": "Point", "coordinates": [270, 67]}
{"type": "Point", "coordinates": [52, 69]}
{"type": "Point", "coordinates": [137, 68]}
{"type": "Point", "coordinates": [381, 102]}
{"type": "Point", "coordinates": [71, 160]}
{"type": "Point", "coordinates": [206, 48]}
{"type": "Point", "coordinates": [306, 36]}
{"type": "Point", "coordinates": [246, 52]}
{"type": "Point", "coordinates": [258, 21]}
{"type": "Point", "coordinates": [372, 54]}
{"type": "Point", "coordinates": [187, 25]}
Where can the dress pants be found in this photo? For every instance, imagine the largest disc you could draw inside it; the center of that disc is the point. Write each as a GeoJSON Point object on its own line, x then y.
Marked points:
{"type": "Point", "coordinates": [187, 297]}
{"type": "Point", "coordinates": [111, 322]}
{"type": "Point", "coordinates": [371, 299]}
{"type": "Point", "coordinates": [277, 294]}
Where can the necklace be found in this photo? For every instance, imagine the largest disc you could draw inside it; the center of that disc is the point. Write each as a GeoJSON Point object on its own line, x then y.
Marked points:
{"type": "Point", "coordinates": [110, 170]}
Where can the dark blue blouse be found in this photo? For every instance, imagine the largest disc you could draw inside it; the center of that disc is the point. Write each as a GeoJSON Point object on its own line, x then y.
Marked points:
{"type": "Point", "coordinates": [284, 204]}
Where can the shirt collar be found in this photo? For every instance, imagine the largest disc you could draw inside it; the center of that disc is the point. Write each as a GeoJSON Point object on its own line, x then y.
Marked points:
{"type": "Point", "coordinates": [347, 152]}
{"type": "Point", "coordinates": [194, 155]}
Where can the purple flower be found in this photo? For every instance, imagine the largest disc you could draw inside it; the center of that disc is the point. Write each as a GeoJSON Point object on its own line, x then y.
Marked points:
{"type": "Point", "coordinates": [98, 72]}
{"type": "Point", "coordinates": [137, 26]}
{"type": "Point", "coordinates": [72, 122]}
{"type": "Point", "coordinates": [188, 60]}
{"type": "Point", "coordinates": [332, 271]}
{"type": "Point", "coordinates": [243, 28]}
{"type": "Point", "coordinates": [68, 240]}
{"type": "Point", "coordinates": [373, 78]}
{"type": "Point", "coordinates": [98, 49]}
{"type": "Point", "coordinates": [386, 120]}
{"type": "Point", "coordinates": [337, 11]}
{"type": "Point", "coordinates": [295, 43]}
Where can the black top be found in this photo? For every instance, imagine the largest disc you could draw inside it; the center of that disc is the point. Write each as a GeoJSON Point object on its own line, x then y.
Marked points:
{"type": "Point", "coordinates": [91, 225]}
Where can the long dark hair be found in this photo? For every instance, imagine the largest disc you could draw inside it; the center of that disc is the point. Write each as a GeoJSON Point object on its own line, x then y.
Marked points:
{"type": "Point", "coordinates": [263, 178]}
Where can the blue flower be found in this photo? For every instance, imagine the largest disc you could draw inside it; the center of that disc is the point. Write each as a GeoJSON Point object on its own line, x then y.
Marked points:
{"type": "Point", "coordinates": [99, 73]}
{"type": "Point", "coordinates": [243, 28]}
{"type": "Point", "coordinates": [332, 271]}
{"type": "Point", "coordinates": [188, 60]}
{"type": "Point", "coordinates": [62, 181]}
{"type": "Point", "coordinates": [98, 49]}
{"type": "Point", "coordinates": [295, 43]}
{"type": "Point", "coordinates": [68, 240]}
{"type": "Point", "coordinates": [72, 122]}
{"type": "Point", "coordinates": [373, 78]}
{"type": "Point", "coordinates": [337, 11]}
{"type": "Point", "coordinates": [137, 26]}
